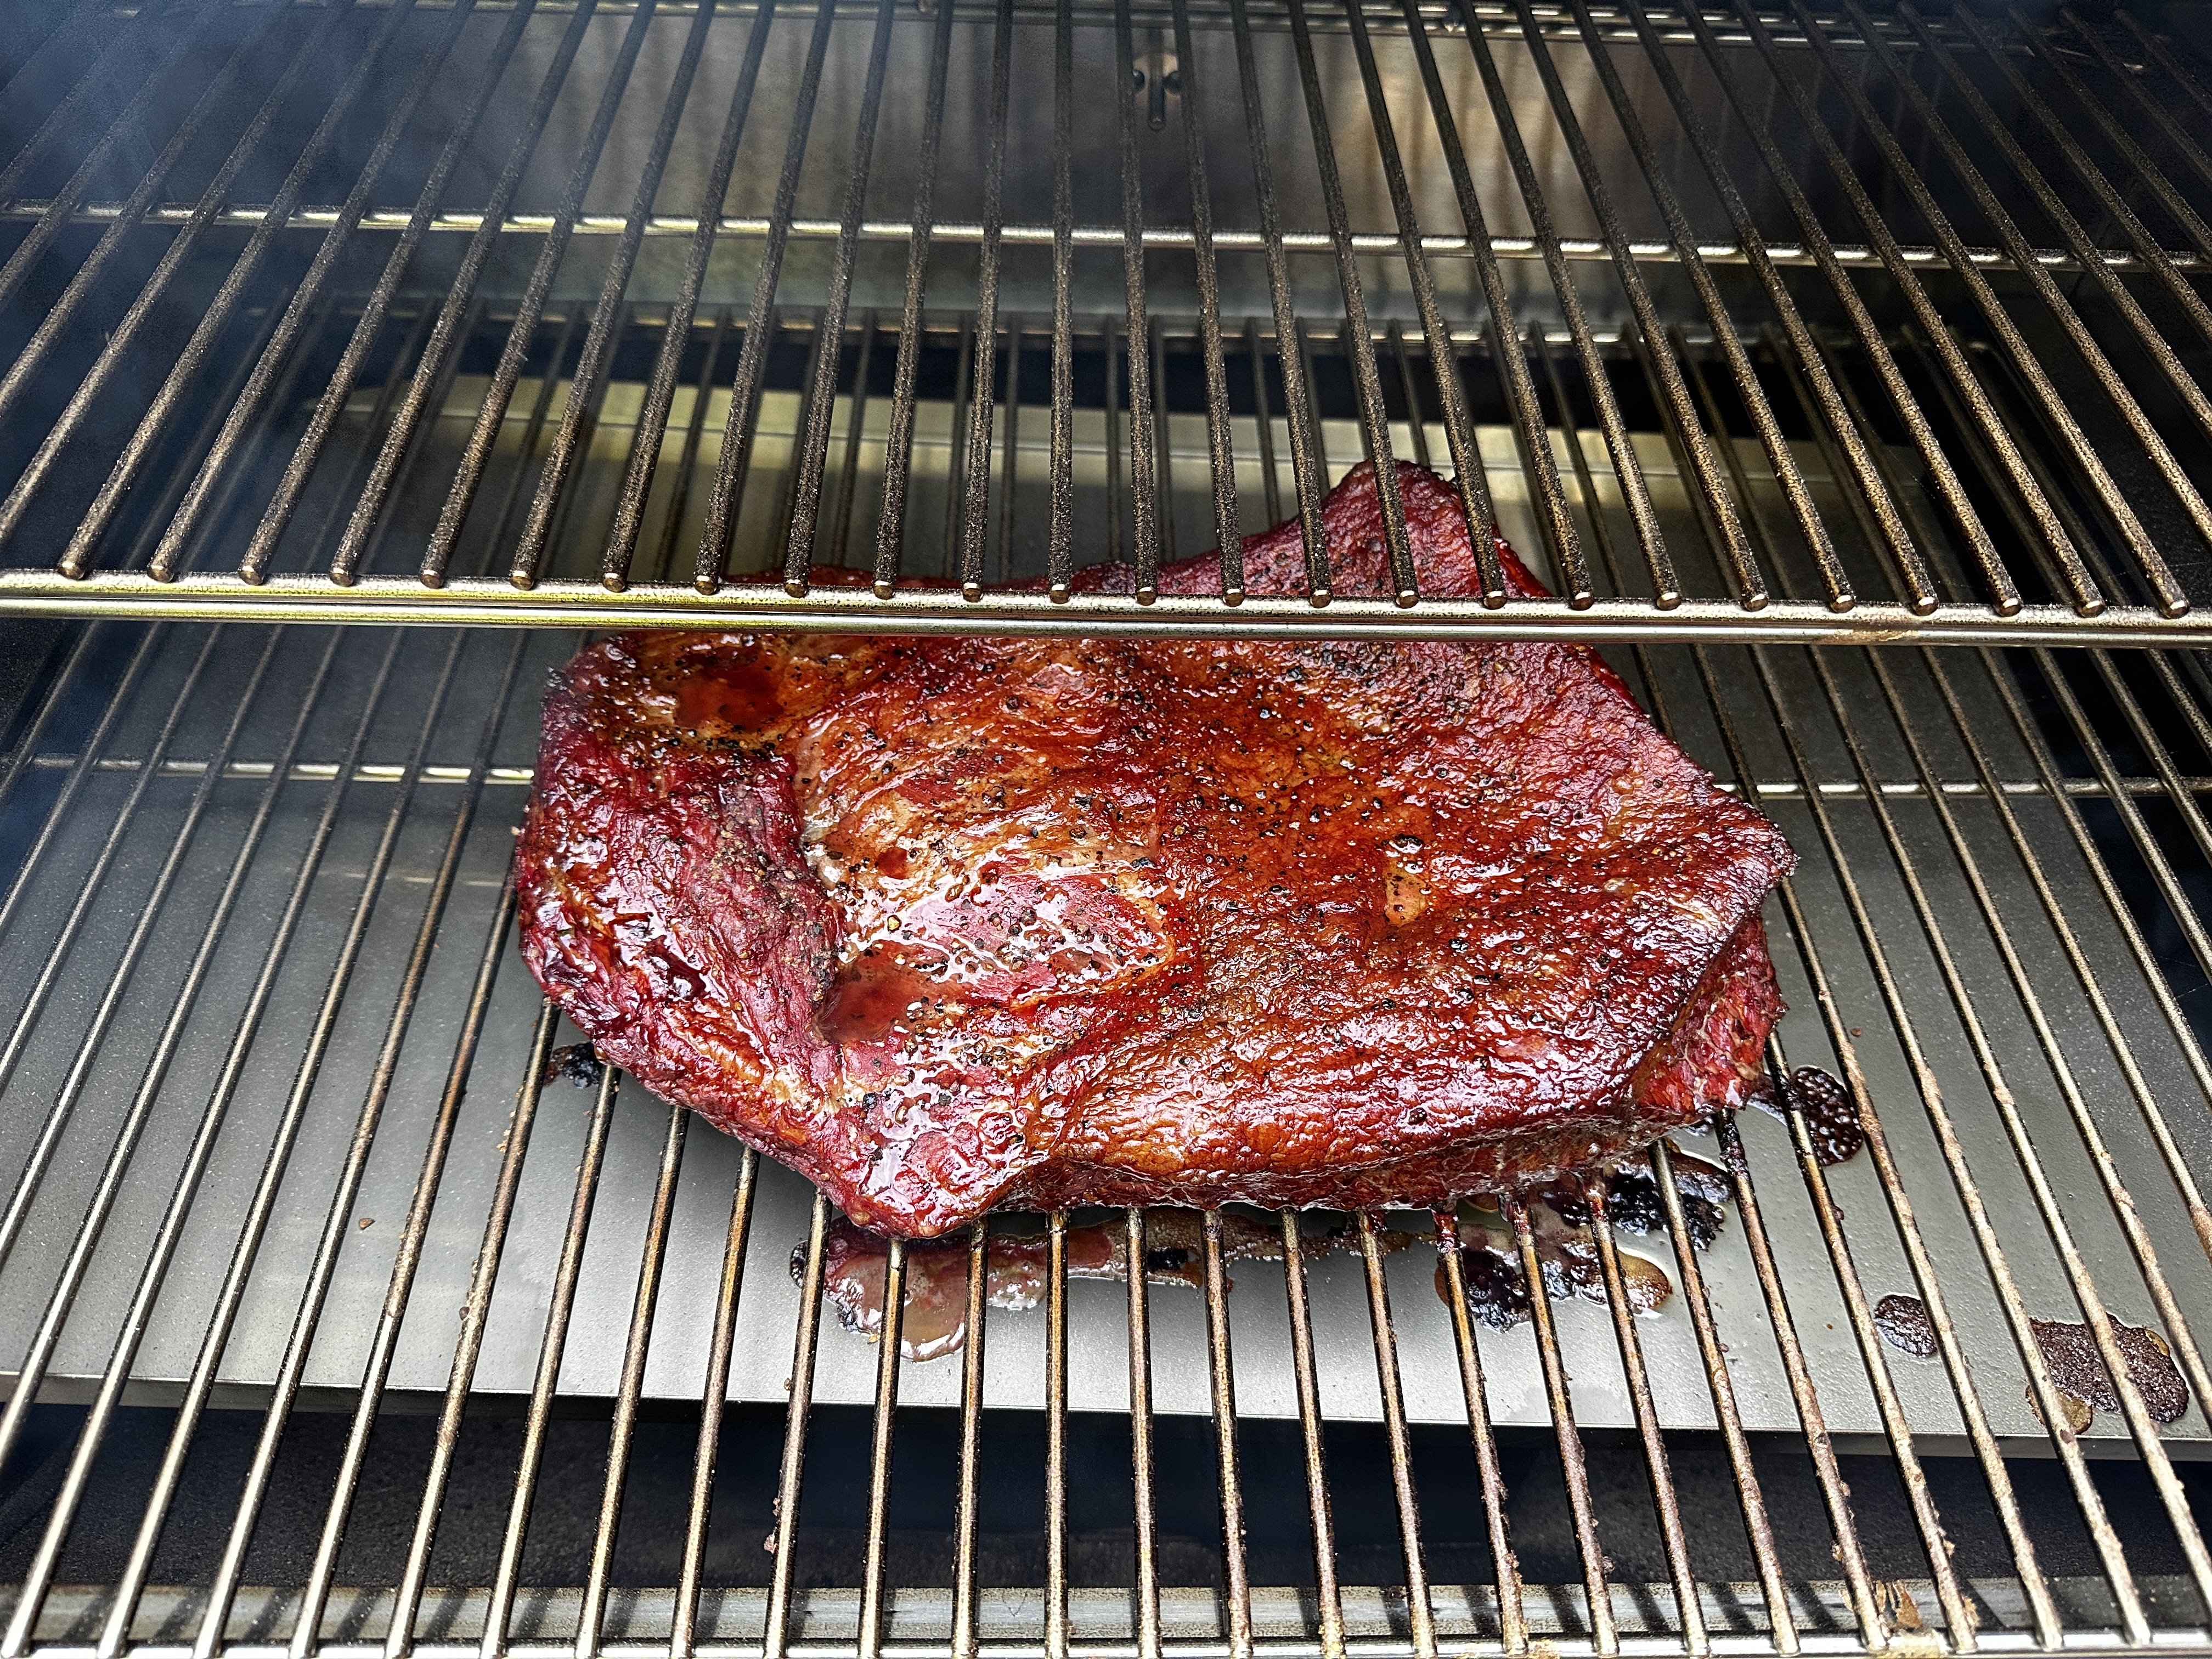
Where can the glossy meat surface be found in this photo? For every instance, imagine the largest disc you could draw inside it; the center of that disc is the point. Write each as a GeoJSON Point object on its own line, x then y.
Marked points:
{"type": "Point", "coordinates": [953, 923]}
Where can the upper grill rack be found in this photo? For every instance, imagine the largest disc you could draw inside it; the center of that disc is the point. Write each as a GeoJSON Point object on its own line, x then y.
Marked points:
{"type": "Point", "coordinates": [251, 289]}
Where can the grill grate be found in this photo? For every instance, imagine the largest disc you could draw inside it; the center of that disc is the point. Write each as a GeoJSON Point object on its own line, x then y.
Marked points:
{"type": "Point", "coordinates": [1738, 402]}
{"type": "Point", "coordinates": [271, 991]}
{"type": "Point", "coordinates": [1779, 178]}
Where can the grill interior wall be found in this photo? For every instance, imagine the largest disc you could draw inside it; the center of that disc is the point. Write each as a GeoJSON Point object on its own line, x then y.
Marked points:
{"type": "Point", "coordinates": [188, 813]}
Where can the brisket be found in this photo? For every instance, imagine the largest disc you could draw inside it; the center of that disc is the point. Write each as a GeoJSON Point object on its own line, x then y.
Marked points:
{"type": "Point", "coordinates": [954, 924]}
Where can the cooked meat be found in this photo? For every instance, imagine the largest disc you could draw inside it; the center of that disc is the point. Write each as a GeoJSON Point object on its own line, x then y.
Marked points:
{"type": "Point", "coordinates": [951, 924]}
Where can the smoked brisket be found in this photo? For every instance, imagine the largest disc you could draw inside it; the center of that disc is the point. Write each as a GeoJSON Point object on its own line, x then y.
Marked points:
{"type": "Point", "coordinates": [962, 923]}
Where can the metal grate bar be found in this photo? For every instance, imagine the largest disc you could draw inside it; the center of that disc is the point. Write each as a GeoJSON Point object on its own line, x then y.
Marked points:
{"type": "Point", "coordinates": [131, 1581]}
{"type": "Point", "coordinates": [307, 451]}
{"type": "Point", "coordinates": [1313, 217]}
{"type": "Point", "coordinates": [1010, 445]}
{"type": "Point", "coordinates": [713, 1395]}
{"type": "Point", "coordinates": [1221, 1369]}
{"type": "Point", "coordinates": [1055, 1449]}
{"type": "Point", "coordinates": [118, 339]}
{"type": "Point", "coordinates": [72, 1090]}
{"type": "Point", "coordinates": [967, 1521]}
{"type": "Point", "coordinates": [1744, 379]}
{"type": "Point", "coordinates": [879, 1451]}
{"type": "Point", "coordinates": [129, 122]}
{"type": "Point", "coordinates": [1749, 585]}
{"type": "Point", "coordinates": [898, 441]}
{"type": "Point", "coordinates": [99, 78]}
{"type": "Point", "coordinates": [384, 1345]}
{"type": "Point", "coordinates": [499, 1604]}
{"type": "Point", "coordinates": [776, 1640]}
{"type": "Point", "coordinates": [608, 314]}
{"type": "Point", "coordinates": [67, 1501]}
{"type": "Point", "coordinates": [1758, 1527]}
{"type": "Point", "coordinates": [660, 390]}
{"type": "Point", "coordinates": [1557, 522]}
{"type": "Point", "coordinates": [2088, 171]}
{"type": "Point", "coordinates": [491, 413]}
{"type": "Point", "coordinates": [1925, 1275]}
{"type": "Point", "coordinates": [1141, 1438]}
{"type": "Point", "coordinates": [339, 1215]}
{"type": "Point", "coordinates": [590, 1619]}
{"type": "Point", "coordinates": [83, 546]}
{"type": "Point", "coordinates": [1832, 422]}
{"type": "Point", "coordinates": [1574, 1465]}
{"type": "Point", "coordinates": [423, 391]}
{"type": "Point", "coordinates": [822, 394]}
{"type": "Point", "coordinates": [22, 886]}
{"type": "Point", "coordinates": [1164, 448]}
{"type": "Point", "coordinates": [1146, 493]}
{"type": "Point", "coordinates": [1328, 1594]}
{"type": "Point", "coordinates": [856, 426]}
{"type": "Point", "coordinates": [1420, 1615]}
{"type": "Point", "coordinates": [1673, 1538]}
{"type": "Point", "coordinates": [1467, 465]}
{"type": "Point", "coordinates": [55, 325]}
{"type": "Point", "coordinates": [1060, 551]}
{"type": "Point", "coordinates": [1308, 468]}
{"type": "Point", "coordinates": [760, 329]}
{"type": "Point", "coordinates": [1367, 384]}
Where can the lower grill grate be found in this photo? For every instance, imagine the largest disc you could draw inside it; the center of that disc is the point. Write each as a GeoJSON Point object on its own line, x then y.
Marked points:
{"type": "Point", "coordinates": [353, 1337]}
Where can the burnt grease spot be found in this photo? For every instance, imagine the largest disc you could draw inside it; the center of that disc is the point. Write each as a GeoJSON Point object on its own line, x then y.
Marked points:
{"type": "Point", "coordinates": [1904, 1323]}
{"type": "Point", "coordinates": [1831, 1119]}
{"type": "Point", "coordinates": [2070, 1355]}
{"type": "Point", "coordinates": [577, 1062]}
{"type": "Point", "coordinates": [1496, 1284]}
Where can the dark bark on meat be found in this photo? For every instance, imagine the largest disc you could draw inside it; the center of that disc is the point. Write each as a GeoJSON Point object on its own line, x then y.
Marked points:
{"type": "Point", "coordinates": [961, 923]}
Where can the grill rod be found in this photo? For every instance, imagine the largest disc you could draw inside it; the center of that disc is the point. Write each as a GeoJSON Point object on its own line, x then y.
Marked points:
{"type": "Point", "coordinates": [1849, 1552]}
{"type": "Point", "coordinates": [730, 472]}
{"type": "Point", "coordinates": [82, 550]}
{"type": "Point", "coordinates": [2182, 384]}
{"type": "Point", "coordinates": [437, 361]}
{"type": "Point", "coordinates": [2115, 1039]}
{"type": "Point", "coordinates": [822, 395]}
{"type": "Point", "coordinates": [1887, 529]}
{"type": "Point", "coordinates": [1602, 39]}
{"type": "Point", "coordinates": [339, 1215]}
{"type": "Point", "coordinates": [384, 1344]}
{"type": "Point", "coordinates": [1743, 377]}
{"type": "Point", "coordinates": [628, 519]}
{"type": "Point", "coordinates": [2006, 330]}
{"type": "Point", "coordinates": [492, 412]}
{"type": "Point", "coordinates": [714, 1396]}
{"type": "Point", "coordinates": [308, 450]}
{"type": "Point", "coordinates": [609, 313]}
{"type": "Point", "coordinates": [1972, 1412]}
{"type": "Point", "coordinates": [129, 122]}
{"type": "Point", "coordinates": [1221, 449]}
{"type": "Point", "coordinates": [1367, 384]}
{"type": "Point", "coordinates": [1146, 494]}
{"type": "Point", "coordinates": [1724, 523]}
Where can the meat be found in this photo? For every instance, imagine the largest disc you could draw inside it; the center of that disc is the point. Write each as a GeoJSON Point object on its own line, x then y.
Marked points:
{"type": "Point", "coordinates": [953, 923]}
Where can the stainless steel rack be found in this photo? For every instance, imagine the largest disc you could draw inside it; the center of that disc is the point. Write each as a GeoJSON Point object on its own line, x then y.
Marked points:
{"type": "Point", "coordinates": [1747, 174]}
{"type": "Point", "coordinates": [565, 317]}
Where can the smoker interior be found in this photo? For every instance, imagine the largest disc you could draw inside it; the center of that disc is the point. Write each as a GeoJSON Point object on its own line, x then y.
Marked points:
{"type": "Point", "coordinates": [332, 1326]}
